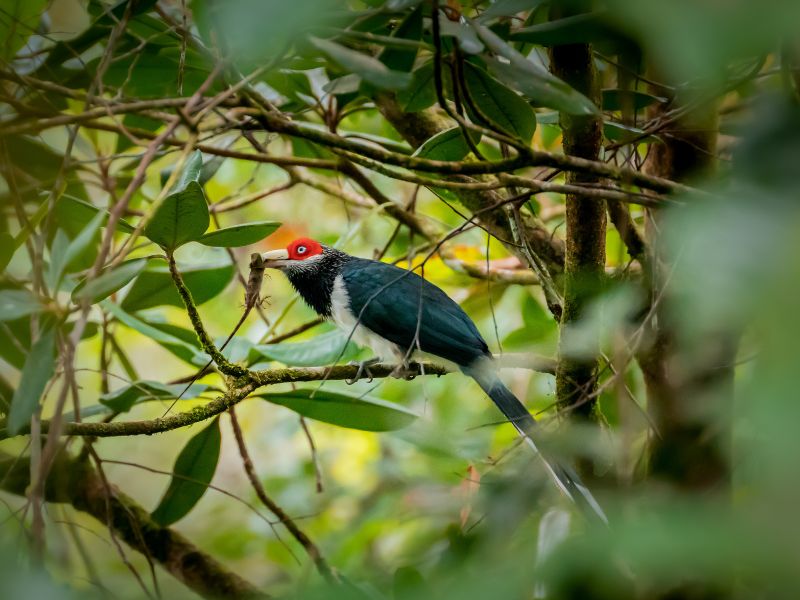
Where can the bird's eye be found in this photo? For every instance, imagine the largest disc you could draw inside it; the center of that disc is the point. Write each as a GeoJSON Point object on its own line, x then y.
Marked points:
{"type": "Point", "coordinates": [301, 249]}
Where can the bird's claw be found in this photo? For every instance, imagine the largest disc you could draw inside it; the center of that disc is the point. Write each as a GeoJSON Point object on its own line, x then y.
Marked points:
{"type": "Point", "coordinates": [363, 368]}
{"type": "Point", "coordinates": [404, 371]}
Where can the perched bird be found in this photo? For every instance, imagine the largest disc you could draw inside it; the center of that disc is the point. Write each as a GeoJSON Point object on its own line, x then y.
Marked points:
{"type": "Point", "coordinates": [397, 313]}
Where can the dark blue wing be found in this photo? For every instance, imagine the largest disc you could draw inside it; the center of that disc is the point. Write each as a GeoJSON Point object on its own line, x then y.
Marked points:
{"type": "Point", "coordinates": [392, 301]}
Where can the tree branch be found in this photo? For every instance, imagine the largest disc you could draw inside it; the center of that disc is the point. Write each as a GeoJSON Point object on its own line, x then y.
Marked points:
{"type": "Point", "coordinates": [76, 482]}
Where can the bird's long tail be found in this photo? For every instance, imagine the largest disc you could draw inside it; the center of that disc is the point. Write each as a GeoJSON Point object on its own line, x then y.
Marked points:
{"type": "Point", "coordinates": [564, 475]}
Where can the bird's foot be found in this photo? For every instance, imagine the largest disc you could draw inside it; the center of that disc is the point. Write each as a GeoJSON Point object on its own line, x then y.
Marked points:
{"type": "Point", "coordinates": [404, 371]}
{"type": "Point", "coordinates": [363, 369]}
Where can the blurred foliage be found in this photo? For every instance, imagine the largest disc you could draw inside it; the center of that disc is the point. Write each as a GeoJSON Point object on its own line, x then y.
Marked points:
{"type": "Point", "coordinates": [442, 503]}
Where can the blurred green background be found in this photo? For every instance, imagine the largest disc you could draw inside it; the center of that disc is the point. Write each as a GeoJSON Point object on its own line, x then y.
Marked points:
{"type": "Point", "coordinates": [449, 506]}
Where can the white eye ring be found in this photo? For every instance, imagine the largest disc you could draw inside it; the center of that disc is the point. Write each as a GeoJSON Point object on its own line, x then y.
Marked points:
{"type": "Point", "coordinates": [301, 249]}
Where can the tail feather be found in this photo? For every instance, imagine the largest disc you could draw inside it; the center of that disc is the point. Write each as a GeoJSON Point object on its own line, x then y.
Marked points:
{"type": "Point", "coordinates": [564, 475]}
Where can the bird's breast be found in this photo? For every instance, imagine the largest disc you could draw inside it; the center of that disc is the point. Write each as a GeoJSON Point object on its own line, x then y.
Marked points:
{"type": "Point", "coordinates": [347, 321]}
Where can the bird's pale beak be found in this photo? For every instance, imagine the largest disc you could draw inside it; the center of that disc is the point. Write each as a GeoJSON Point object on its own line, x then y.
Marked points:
{"type": "Point", "coordinates": [275, 259]}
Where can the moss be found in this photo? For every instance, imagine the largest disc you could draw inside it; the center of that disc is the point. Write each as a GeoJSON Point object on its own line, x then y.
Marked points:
{"type": "Point", "coordinates": [205, 341]}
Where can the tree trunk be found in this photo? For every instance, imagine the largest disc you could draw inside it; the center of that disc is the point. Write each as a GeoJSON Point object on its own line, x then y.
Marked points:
{"type": "Point", "coordinates": [689, 388]}
{"type": "Point", "coordinates": [576, 379]}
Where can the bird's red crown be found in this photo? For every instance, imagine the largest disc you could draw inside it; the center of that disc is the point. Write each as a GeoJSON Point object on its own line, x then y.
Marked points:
{"type": "Point", "coordinates": [303, 248]}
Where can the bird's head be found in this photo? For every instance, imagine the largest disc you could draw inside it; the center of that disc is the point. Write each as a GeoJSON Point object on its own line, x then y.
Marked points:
{"type": "Point", "coordinates": [300, 253]}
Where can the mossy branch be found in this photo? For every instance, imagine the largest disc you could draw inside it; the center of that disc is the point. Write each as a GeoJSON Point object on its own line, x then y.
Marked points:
{"type": "Point", "coordinates": [227, 367]}
{"type": "Point", "coordinates": [243, 387]}
{"type": "Point", "coordinates": [246, 385]}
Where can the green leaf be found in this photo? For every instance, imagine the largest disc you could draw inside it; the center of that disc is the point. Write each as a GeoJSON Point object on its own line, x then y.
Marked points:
{"type": "Point", "coordinates": [407, 584]}
{"type": "Point", "coordinates": [17, 303]}
{"type": "Point", "coordinates": [420, 93]}
{"type": "Point", "coordinates": [63, 256]}
{"type": "Point", "coordinates": [400, 5]}
{"type": "Point", "coordinates": [368, 68]}
{"type": "Point", "coordinates": [352, 411]}
{"type": "Point", "coordinates": [154, 285]}
{"type": "Point", "coordinates": [180, 348]}
{"type": "Point", "coordinates": [33, 156]}
{"type": "Point", "coordinates": [108, 281]}
{"type": "Point", "coordinates": [73, 214]}
{"type": "Point", "coordinates": [325, 349]}
{"type": "Point", "coordinates": [468, 40]}
{"type": "Point", "coordinates": [192, 170]}
{"type": "Point", "coordinates": [183, 215]}
{"type": "Point", "coordinates": [402, 59]}
{"type": "Point", "coordinates": [577, 29]}
{"type": "Point", "coordinates": [508, 8]}
{"type": "Point", "coordinates": [619, 132]}
{"type": "Point", "coordinates": [18, 21]}
{"type": "Point", "coordinates": [182, 333]}
{"type": "Point", "coordinates": [58, 251]}
{"type": "Point", "coordinates": [125, 398]}
{"type": "Point", "coordinates": [153, 72]}
{"type": "Point", "coordinates": [504, 107]}
{"type": "Point", "coordinates": [349, 84]}
{"type": "Point", "coordinates": [82, 241]}
{"type": "Point", "coordinates": [193, 471]}
{"type": "Point", "coordinates": [446, 145]}
{"type": "Point", "coordinates": [616, 99]}
{"type": "Point", "coordinates": [533, 80]}
{"type": "Point", "coordinates": [239, 235]}
{"type": "Point", "coordinates": [195, 170]}
{"type": "Point", "coordinates": [39, 368]}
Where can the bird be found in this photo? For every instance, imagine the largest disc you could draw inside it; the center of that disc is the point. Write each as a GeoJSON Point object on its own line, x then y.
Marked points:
{"type": "Point", "coordinates": [399, 314]}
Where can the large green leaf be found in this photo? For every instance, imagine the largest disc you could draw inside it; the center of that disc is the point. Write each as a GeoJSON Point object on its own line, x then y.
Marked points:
{"type": "Point", "coordinates": [446, 145]}
{"type": "Point", "coordinates": [33, 156]}
{"type": "Point", "coordinates": [533, 80]}
{"type": "Point", "coordinates": [182, 333]}
{"type": "Point", "coordinates": [255, 31]}
{"type": "Point", "coordinates": [463, 31]}
{"type": "Point", "coordinates": [239, 235]}
{"type": "Point", "coordinates": [180, 348]}
{"type": "Point", "coordinates": [18, 21]}
{"type": "Point", "coordinates": [504, 107]}
{"type": "Point", "coordinates": [345, 410]}
{"type": "Point", "coordinates": [508, 8]}
{"type": "Point", "coordinates": [73, 214]}
{"type": "Point", "coordinates": [64, 253]}
{"type": "Point", "coordinates": [402, 59]}
{"type": "Point", "coordinates": [17, 303]}
{"type": "Point", "coordinates": [584, 28]}
{"type": "Point", "coordinates": [183, 215]}
{"type": "Point", "coordinates": [125, 398]}
{"type": "Point", "coordinates": [153, 72]}
{"type": "Point", "coordinates": [154, 286]}
{"type": "Point", "coordinates": [619, 132]}
{"type": "Point", "coordinates": [193, 471]}
{"type": "Point", "coordinates": [325, 349]}
{"type": "Point", "coordinates": [420, 93]}
{"type": "Point", "coordinates": [39, 368]}
{"type": "Point", "coordinates": [109, 281]}
{"type": "Point", "coordinates": [370, 69]}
